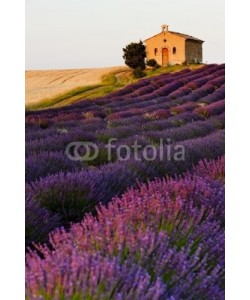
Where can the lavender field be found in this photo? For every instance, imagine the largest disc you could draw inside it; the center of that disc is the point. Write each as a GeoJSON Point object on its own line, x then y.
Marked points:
{"type": "Point", "coordinates": [149, 225]}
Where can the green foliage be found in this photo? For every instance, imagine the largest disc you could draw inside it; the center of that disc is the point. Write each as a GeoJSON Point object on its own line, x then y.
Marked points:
{"type": "Point", "coordinates": [138, 73]}
{"type": "Point", "coordinates": [151, 62]}
{"type": "Point", "coordinates": [135, 55]}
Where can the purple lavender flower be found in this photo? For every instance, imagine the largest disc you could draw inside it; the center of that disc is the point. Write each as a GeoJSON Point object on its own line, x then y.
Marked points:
{"type": "Point", "coordinates": [165, 239]}
{"type": "Point", "coordinates": [158, 239]}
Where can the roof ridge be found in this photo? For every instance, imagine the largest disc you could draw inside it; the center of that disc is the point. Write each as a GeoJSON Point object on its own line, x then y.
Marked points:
{"type": "Point", "coordinates": [186, 36]}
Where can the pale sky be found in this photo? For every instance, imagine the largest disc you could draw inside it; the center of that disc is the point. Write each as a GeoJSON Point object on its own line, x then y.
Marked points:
{"type": "Point", "coordinates": [62, 34]}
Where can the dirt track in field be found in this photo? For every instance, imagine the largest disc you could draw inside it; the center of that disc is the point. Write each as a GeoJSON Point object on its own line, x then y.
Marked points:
{"type": "Point", "coordinates": [48, 84]}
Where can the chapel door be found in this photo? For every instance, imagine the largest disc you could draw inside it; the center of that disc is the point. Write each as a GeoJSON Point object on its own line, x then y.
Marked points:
{"type": "Point", "coordinates": [165, 57]}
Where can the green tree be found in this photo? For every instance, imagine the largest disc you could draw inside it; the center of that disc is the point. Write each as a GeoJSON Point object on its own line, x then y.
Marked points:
{"type": "Point", "coordinates": [135, 55]}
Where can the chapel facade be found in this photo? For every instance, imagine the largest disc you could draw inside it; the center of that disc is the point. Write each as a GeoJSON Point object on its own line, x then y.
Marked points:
{"type": "Point", "coordinates": [170, 48]}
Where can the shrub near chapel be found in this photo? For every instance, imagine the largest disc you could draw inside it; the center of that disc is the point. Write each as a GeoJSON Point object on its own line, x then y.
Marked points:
{"type": "Point", "coordinates": [134, 56]}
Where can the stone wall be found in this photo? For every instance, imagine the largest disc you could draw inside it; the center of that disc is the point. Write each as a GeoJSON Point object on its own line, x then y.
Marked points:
{"type": "Point", "coordinates": [193, 51]}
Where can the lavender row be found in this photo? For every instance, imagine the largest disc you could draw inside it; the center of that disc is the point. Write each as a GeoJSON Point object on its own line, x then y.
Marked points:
{"type": "Point", "coordinates": [70, 195]}
{"type": "Point", "coordinates": [74, 111]}
{"type": "Point", "coordinates": [90, 109]}
{"type": "Point", "coordinates": [195, 90]}
{"type": "Point", "coordinates": [42, 162]}
{"type": "Point", "coordinates": [164, 240]}
{"type": "Point", "coordinates": [188, 131]}
{"type": "Point", "coordinates": [167, 78]}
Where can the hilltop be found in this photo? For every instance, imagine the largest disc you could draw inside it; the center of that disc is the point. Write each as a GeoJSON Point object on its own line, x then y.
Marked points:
{"type": "Point", "coordinates": [55, 88]}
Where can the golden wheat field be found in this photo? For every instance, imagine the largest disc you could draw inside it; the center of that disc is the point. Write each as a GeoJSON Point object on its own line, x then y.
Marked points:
{"type": "Point", "coordinates": [44, 84]}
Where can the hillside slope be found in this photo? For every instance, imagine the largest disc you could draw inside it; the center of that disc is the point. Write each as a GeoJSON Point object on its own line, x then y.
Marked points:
{"type": "Point", "coordinates": [126, 227]}
{"type": "Point", "coordinates": [185, 108]}
{"type": "Point", "coordinates": [55, 88]}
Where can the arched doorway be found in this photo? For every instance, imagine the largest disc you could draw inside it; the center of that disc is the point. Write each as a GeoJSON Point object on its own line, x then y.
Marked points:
{"type": "Point", "coordinates": [165, 57]}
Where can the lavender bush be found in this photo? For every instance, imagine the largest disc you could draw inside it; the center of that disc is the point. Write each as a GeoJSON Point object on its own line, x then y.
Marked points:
{"type": "Point", "coordinates": [162, 235]}
{"type": "Point", "coordinates": [171, 232]}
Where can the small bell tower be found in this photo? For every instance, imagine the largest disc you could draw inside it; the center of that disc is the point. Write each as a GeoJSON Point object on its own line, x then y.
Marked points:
{"type": "Point", "coordinates": [164, 28]}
